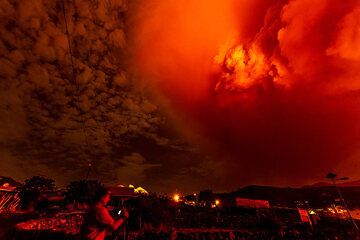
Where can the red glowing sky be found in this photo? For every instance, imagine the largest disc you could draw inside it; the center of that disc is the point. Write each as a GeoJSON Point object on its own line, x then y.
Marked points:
{"type": "Point", "coordinates": [271, 87]}
{"type": "Point", "coordinates": [178, 94]}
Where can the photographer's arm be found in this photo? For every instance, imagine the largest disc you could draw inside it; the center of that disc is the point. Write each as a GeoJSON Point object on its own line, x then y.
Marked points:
{"type": "Point", "coordinates": [105, 218]}
{"type": "Point", "coordinates": [120, 221]}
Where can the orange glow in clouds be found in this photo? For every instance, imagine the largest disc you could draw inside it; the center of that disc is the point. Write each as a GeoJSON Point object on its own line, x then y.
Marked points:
{"type": "Point", "coordinates": [181, 38]}
{"type": "Point", "coordinates": [272, 85]}
{"type": "Point", "coordinates": [245, 68]}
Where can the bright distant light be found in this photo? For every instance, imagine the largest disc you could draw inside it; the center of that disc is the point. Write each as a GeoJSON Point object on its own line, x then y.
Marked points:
{"type": "Point", "coordinates": [217, 202]}
{"type": "Point", "coordinates": [176, 197]}
{"type": "Point", "coordinates": [312, 212]}
{"type": "Point", "coordinates": [141, 191]}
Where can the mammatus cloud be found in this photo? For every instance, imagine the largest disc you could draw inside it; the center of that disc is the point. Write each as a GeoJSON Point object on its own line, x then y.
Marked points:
{"type": "Point", "coordinates": [271, 86]}
{"type": "Point", "coordinates": [52, 124]}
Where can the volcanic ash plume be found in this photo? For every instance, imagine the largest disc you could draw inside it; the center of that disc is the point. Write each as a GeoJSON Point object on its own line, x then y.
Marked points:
{"type": "Point", "coordinates": [271, 86]}
{"type": "Point", "coordinates": [48, 124]}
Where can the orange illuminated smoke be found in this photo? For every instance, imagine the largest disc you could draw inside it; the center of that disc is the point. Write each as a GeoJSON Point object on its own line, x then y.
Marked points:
{"type": "Point", "coordinates": [176, 44]}
{"type": "Point", "coordinates": [244, 68]}
{"type": "Point", "coordinates": [260, 84]}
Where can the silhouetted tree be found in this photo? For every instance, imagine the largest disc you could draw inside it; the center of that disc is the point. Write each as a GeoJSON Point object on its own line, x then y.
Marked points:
{"type": "Point", "coordinates": [206, 197]}
{"type": "Point", "coordinates": [152, 210]}
{"type": "Point", "coordinates": [82, 191]}
{"type": "Point", "coordinates": [34, 190]}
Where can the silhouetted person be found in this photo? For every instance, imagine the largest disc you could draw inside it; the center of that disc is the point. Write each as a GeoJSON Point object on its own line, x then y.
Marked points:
{"type": "Point", "coordinates": [97, 219]}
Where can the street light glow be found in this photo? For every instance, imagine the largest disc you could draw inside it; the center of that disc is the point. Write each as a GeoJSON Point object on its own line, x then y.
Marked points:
{"type": "Point", "coordinates": [176, 197]}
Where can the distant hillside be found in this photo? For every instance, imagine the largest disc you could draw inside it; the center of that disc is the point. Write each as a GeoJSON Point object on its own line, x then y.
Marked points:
{"type": "Point", "coordinates": [315, 197]}
{"type": "Point", "coordinates": [340, 184]}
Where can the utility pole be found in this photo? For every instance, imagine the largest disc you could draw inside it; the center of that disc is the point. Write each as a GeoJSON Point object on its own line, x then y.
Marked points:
{"type": "Point", "coordinates": [332, 176]}
{"type": "Point", "coordinates": [88, 172]}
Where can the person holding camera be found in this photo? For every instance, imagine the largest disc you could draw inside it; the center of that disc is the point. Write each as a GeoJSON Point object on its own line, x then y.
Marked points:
{"type": "Point", "coordinates": [97, 218]}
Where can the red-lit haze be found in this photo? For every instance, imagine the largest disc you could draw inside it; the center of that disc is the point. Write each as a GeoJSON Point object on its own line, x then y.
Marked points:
{"type": "Point", "coordinates": [272, 86]}
{"type": "Point", "coordinates": [181, 38]}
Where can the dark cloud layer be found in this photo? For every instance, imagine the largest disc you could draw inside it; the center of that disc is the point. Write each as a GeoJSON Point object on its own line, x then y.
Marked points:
{"type": "Point", "coordinates": [54, 125]}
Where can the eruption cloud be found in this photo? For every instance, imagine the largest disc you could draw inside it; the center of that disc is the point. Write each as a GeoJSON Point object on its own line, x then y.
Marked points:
{"type": "Point", "coordinates": [271, 86]}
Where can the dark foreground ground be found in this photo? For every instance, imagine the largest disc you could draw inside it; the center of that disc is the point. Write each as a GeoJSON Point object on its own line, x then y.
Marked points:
{"type": "Point", "coordinates": [8, 221]}
{"type": "Point", "coordinates": [329, 231]}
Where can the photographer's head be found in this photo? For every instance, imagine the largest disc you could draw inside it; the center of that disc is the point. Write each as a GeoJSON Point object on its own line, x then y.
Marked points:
{"type": "Point", "coordinates": [102, 195]}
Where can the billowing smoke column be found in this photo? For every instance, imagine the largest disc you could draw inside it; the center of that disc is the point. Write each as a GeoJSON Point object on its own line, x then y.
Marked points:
{"type": "Point", "coordinates": [272, 86]}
